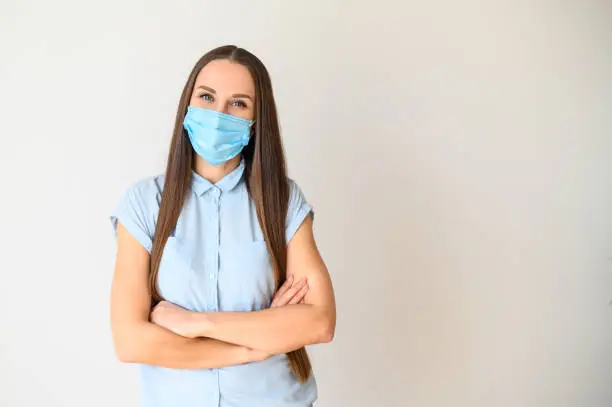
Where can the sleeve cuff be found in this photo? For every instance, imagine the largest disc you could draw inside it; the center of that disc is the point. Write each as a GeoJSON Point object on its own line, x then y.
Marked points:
{"type": "Point", "coordinates": [131, 227]}
{"type": "Point", "coordinates": [297, 220]}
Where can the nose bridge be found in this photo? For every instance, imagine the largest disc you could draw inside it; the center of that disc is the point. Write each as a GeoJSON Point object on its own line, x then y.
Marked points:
{"type": "Point", "coordinates": [221, 104]}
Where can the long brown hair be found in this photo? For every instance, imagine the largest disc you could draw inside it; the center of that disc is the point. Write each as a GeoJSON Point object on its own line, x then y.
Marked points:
{"type": "Point", "coordinates": [265, 173]}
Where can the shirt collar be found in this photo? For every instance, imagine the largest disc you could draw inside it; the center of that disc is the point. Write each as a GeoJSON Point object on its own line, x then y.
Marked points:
{"type": "Point", "coordinates": [200, 184]}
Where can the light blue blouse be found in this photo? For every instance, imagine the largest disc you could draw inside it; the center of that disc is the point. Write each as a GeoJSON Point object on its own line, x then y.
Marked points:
{"type": "Point", "coordinates": [215, 260]}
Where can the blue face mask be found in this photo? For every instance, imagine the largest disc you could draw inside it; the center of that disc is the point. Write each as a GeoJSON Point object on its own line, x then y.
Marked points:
{"type": "Point", "coordinates": [216, 137]}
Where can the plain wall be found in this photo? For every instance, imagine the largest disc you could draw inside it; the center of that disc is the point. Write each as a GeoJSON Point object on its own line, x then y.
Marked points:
{"type": "Point", "coordinates": [458, 156]}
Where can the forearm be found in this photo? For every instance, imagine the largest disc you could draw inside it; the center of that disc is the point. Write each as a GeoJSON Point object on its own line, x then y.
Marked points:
{"type": "Point", "coordinates": [274, 330]}
{"type": "Point", "coordinates": [153, 345]}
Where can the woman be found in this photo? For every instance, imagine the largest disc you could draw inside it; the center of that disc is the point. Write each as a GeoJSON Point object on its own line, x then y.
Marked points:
{"type": "Point", "coordinates": [218, 283]}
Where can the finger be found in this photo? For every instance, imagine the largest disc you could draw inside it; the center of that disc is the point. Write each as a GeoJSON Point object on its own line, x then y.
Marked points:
{"type": "Point", "coordinates": [285, 298]}
{"type": "Point", "coordinates": [281, 291]}
{"type": "Point", "coordinates": [299, 296]}
{"type": "Point", "coordinates": [286, 285]}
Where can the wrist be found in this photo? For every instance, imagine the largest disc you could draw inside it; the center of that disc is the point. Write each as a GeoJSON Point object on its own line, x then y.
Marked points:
{"type": "Point", "coordinates": [203, 323]}
{"type": "Point", "coordinates": [246, 354]}
{"type": "Point", "coordinates": [254, 355]}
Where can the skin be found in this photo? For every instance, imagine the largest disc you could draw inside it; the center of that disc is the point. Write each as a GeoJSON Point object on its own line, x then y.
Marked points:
{"type": "Point", "coordinates": [302, 311]}
{"type": "Point", "coordinates": [187, 323]}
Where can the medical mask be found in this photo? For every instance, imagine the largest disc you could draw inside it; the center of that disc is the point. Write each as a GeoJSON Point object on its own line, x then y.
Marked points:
{"type": "Point", "coordinates": [216, 137]}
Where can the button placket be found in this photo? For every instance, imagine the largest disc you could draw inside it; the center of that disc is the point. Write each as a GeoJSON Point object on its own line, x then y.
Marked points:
{"type": "Point", "coordinates": [214, 246]}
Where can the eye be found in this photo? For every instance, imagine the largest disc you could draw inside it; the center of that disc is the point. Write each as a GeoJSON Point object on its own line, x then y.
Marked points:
{"type": "Point", "coordinates": [207, 97]}
{"type": "Point", "coordinates": [239, 103]}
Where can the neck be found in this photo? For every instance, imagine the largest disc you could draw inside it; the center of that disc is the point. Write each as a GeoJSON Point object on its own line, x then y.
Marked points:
{"type": "Point", "coordinates": [212, 173]}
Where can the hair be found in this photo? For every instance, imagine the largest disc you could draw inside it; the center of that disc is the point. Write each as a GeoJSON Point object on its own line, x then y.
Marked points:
{"type": "Point", "coordinates": [265, 173]}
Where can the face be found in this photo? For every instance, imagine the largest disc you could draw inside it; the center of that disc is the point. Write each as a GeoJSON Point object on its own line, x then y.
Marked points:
{"type": "Point", "coordinates": [226, 87]}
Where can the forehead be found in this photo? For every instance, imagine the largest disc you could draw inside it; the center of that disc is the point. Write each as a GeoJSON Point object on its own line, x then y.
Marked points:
{"type": "Point", "coordinates": [226, 77]}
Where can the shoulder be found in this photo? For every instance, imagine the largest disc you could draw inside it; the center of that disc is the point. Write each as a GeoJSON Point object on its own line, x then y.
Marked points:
{"type": "Point", "coordinates": [297, 210]}
{"type": "Point", "coordinates": [141, 198]}
{"type": "Point", "coordinates": [295, 191]}
{"type": "Point", "coordinates": [146, 190]}
{"type": "Point", "coordinates": [138, 208]}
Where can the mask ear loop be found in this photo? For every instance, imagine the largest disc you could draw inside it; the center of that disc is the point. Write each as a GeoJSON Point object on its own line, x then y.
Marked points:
{"type": "Point", "coordinates": [251, 138]}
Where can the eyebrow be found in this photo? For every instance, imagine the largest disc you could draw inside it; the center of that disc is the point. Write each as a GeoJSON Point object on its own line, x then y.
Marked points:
{"type": "Point", "coordinates": [211, 90]}
{"type": "Point", "coordinates": [242, 95]}
{"type": "Point", "coordinates": [235, 95]}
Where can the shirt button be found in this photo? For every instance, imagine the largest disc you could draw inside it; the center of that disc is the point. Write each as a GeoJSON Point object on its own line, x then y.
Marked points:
{"type": "Point", "coordinates": [211, 276]}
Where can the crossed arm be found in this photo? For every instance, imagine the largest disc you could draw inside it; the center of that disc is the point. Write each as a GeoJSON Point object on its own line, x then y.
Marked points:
{"type": "Point", "coordinates": [301, 314]}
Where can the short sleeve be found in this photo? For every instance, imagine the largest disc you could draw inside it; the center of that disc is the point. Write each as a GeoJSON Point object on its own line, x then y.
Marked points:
{"type": "Point", "coordinates": [136, 212]}
{"type": "Point", "coordinates": [297, 210]}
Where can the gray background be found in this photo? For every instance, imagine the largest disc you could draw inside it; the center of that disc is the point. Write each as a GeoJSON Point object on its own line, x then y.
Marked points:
{"type": "Point", "coordinates": [458, 155]}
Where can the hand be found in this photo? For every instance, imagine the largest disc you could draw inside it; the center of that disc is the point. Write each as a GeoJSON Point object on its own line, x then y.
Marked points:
{"type": "Point", "coordinates": [176, 319]}
{"type": "Point", "coordinates": [254, 355]}
{"type": "Point", "coordinates": [290, 293]}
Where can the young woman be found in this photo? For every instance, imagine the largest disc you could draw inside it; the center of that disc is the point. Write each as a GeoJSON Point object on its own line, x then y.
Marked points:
{"type": "Point", "coordinates": [218, 283]}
